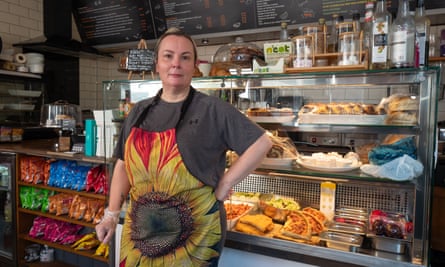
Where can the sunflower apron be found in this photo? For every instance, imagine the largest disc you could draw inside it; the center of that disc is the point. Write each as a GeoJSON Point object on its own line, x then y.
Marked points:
{"type": "Point", "coordinates": [173, 219]}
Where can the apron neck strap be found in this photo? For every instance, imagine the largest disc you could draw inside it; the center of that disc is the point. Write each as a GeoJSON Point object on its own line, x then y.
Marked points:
{"type": "Point", "coordinates": [157, 98]}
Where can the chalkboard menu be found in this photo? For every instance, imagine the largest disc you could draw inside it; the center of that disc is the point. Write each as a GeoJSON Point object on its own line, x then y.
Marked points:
{"type": "Point", "coordinates": [117, 21]}
{"type": "Point", "coordinates": [113, 21]}
{"type": "Point", "coordinates": [140, 60]}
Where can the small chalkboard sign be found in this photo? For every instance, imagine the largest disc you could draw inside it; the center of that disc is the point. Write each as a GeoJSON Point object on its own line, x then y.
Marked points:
{"type": "Point", "coordinates": [140, 60]}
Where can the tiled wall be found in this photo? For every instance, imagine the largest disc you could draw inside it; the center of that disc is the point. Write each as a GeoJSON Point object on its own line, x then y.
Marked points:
{"type": "Point", "coordinates": [22, 19]}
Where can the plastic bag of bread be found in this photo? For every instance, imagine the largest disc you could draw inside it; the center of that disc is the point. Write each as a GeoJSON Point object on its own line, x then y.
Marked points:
{"type": "Point", "coordinates": [282, 147]}
{"type": "Point", "coordinates": [401, 109]}
{"type": "Point", "coordinates": [403, 168]}
{"type": "Point", "coordinates": [394, 146]}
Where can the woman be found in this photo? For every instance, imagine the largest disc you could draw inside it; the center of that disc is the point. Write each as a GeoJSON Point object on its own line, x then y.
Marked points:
{"type": "Point", "coordinates": [171, 161]}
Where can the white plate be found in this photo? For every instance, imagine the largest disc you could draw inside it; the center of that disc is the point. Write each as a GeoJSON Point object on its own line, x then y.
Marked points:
{"type": "Point", "coordinates": [25, 93]}
{"type": "Point", "coordinates": [278, 161]}
{"type": "Point", "coordinates": [328, 169]}
{"type": "Point", "coordinates": [272, 119]}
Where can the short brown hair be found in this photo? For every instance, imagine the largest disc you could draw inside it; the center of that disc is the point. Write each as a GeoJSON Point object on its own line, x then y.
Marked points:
{"type": "Point", "coordinates": [176, 32]}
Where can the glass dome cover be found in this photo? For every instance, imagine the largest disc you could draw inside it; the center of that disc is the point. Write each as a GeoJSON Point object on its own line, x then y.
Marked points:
{"type": "Point", "coordinates": [239, 53]}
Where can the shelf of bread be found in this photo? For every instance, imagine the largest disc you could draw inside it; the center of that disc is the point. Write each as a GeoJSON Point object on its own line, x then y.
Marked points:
{"type": "Point", "coordinates": [397, 109]}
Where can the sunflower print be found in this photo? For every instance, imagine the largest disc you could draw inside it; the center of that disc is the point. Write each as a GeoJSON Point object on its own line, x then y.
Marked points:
{"type": "Point", "coordinates": [172, 220]}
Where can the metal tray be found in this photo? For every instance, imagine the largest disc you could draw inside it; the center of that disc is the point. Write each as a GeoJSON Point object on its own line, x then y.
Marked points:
{"type": "Point", "coordinates": [347, 228]}
{"type": "Point", "coordinates": [392, 245]}
{"type": "Point", "coordinates": [341, 241]}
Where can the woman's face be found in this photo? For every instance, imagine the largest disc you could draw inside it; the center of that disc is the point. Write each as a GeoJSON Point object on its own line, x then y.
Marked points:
{"type": "Point", "coordinates": [176, 62]}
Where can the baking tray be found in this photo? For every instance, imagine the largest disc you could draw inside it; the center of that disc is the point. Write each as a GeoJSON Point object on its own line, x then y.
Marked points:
{"type": "Point", "coordinates": [341, 119]}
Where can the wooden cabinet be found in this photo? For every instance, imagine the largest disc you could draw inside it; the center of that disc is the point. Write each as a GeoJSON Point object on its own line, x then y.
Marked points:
{"type": "Point", "coordinates": [26, 216]}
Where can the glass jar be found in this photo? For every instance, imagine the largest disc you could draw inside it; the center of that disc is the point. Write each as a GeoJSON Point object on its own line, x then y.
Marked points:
{"type": "Point", "coordinates": [349, 49]}
{"type": "Point", "coordinates": [304, 51]}
{"type": "Point", "coordinates": [318, 33]}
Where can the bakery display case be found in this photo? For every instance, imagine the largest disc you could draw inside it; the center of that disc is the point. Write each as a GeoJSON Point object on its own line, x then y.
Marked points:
{"type": "Point", "coordinates": [365, 142]}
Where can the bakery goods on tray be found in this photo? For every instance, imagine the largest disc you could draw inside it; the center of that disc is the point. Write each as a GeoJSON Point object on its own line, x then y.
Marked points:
{"type": "Point", "coordinates": [341, 109]}
{"type": "Point", "coordinates": [272, 111]}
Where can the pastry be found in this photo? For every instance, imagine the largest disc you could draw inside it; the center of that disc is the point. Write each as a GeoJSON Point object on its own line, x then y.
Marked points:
{"type": "Point", "coordinates": [402, 117]}
{"type": "Point", "coordinates": [403, 103]}
{"type": "Point", "coordinates": [316, 213]}
{"type": "Point", "coordinates": [297, 226]}
{"type": "Point", "coordinates": [316, 225]}
{"type": "Point", "coordinates": [260, 221]}
{"type": "Point", "coordinates": [276, 151]}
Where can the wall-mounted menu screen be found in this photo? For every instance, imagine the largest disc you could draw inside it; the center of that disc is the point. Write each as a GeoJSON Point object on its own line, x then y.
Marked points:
{"type": "Point", "coordinates": [118, 21]}
{"type": "Point", "coordinates": [113, 21]}
{"type": "Point", "coordinates": [204, 16]}
{"type": "Point", "coordinates": [273, 12]}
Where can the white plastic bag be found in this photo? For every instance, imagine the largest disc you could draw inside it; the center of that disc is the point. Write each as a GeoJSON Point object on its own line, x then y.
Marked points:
{"type": "Point", "coordinates": [404, 168]}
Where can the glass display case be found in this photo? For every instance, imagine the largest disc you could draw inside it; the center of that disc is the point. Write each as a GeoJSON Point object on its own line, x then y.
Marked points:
{"type": "Point", "coordinates": [340, 112]}
{"type": "Point", "coordinates": [22, 96]}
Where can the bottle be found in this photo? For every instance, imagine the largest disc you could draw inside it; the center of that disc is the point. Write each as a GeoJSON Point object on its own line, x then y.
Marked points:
{"type": "Point", "coordinates": [402, 36]}
{"type": "Point", "coordinates": [381, 22]}
{"type": "Point", "coordinates": [422, 35]}
{"type": "Point", "coordinates": [356, 22]}
{"type": "Point", "coordinates": [284, 35]}
{"type": "Point", "coordinates": [367, 27]}
{"type": "Point", "coordinates": [333, 36]}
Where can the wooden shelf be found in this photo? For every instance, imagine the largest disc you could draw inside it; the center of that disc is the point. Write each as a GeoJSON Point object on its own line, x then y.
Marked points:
{"type": "Point", "coordinates": [63, 190]}
{"type": "Point", "coordinates": [46, 264]}
{"type": "Point", "coordinates": [327, 68]}
{"type": "Point", "coordinates": [64, 218]}
{"type": "Point", "coordinates": [85, 253]}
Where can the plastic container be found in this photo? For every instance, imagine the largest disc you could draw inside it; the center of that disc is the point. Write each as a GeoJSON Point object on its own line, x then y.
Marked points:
{"type": "Point", "coordinates": [390, 224]}
{"type": "Point", "coordinates": [341, 241]}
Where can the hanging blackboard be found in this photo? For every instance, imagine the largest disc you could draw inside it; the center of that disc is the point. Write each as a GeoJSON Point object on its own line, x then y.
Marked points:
{"type": "Point", "coordinates": [140, 60]}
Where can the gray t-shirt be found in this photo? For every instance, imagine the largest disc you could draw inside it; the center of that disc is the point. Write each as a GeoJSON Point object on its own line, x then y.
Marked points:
{"type": "Point", "coordinates": [210, 127]}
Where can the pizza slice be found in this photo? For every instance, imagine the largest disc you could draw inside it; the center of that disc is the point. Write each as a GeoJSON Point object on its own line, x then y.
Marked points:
{"type": "Point", "coordinates": [316, 225]}
{"type": "Point", "coordinates": [297, 226]}
{"type": "Point", "coordinates": [316, 213]}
